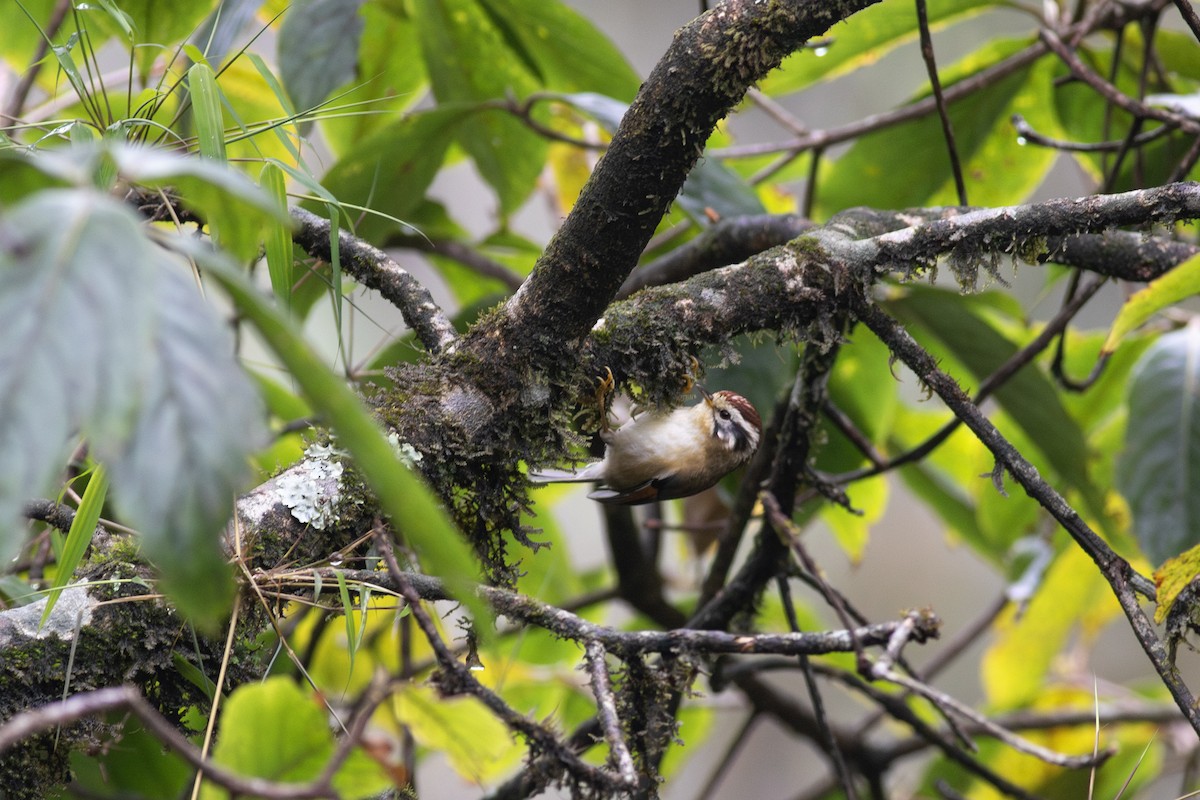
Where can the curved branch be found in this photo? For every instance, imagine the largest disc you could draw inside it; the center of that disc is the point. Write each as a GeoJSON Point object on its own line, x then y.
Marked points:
{"type": "Point", "coordinates": [706, 71]}
{"type": "Point", "coordinates": [375, 269]}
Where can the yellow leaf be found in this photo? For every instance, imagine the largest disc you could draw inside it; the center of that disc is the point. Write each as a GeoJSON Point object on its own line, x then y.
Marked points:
{"type": "Point", "coordinates": [1015, 667]}
{"type": "Point", "coordinates": [478, 746]}
{"type": "Point", "coordinates": [1179, 283]}
{"type": "Point", "coordinates": [1171, 578]}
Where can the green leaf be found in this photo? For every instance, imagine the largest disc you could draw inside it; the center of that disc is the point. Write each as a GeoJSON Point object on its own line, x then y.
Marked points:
{"type": "Point", "coordinates": [278, 731]}
{"type": "Point", "coordinates": [224, 197]}
{"type": "Point", "coordinates": [75, 278]}
{"type": "Point", "coordinates": [206, 110]}
{"type": "Point", "coordinates": [866, 38]}
{"type": "Point", "coordinates": [404, 496]}
{"type": "Point", "coordinates": [279, 236]}
{"type": "Point", "coordinates": [392, 79]}
{"type": "Point", "coordinates": [318, 49]}
{"type": "Point", "coordinates": [1173, 577]}
{"type": "Point", "coordinates": [176, 476]}
{"type": "Point", "coordinates": [1180, 283]}
{"type": "Point", "coordinates": [907, 165]}
{"type": "Point", "coordinates": [1016, 665]}
{"type": "Point", "coordinates": [1160, 467]}
{"type": "Point", "coordinates": [1029, 397]}
{"type": "Point", "coordinates": [78, 537]}
{"type": "Point", "coordinates": [470, 59]}
{"type": "Point", "coordinates": [138, 767]}
{"type": "Point", "coordinates": [149, 27]}
{"type": "Point", "coordinates": [390, 170]}
{"type": "Point", "coordinates": [478, 746]}
{"type": "Point", "coordinates": [567, 52]}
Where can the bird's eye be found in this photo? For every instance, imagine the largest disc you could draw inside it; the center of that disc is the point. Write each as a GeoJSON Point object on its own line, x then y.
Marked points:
{"type": "Point", "coordinates": [724, 414]}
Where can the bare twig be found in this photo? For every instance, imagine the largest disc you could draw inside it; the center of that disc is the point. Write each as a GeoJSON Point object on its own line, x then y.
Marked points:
{"type": "Point", "coordinates": [829, 741]}
{"type": "Point", "coordinates": [606, 711]}
{"type": "Point", "coordinates": [936, 83]}
{"type": "Point", "coordinates": [1031, 136]}
{"type": "Point", "coordinates": [456, 678]}
{"type": "Point", "coordinates": [375, 269]}
{"type": "Point", "coordinates": [631, 643]}
{"type": "Point", "coordinates": [884, 671]}
{"type": "Point", "coordinates": [114, 698]}
{"type": "Point", "coordinates": [457, 251]}
{"type": "Point", "coordinates": [1189, 16]}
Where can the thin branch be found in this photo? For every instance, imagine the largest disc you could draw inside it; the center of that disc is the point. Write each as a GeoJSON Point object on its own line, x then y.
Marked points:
{"type": "Point", "coordinates": [998, 378]}
{"type": "Point", "coordinates": [1112, 93]}
{"type": "Point", "coordinates": [456, 678]}
{"type": "Point", "coordinates": [623, 644]}
{"type": "Point", "coordinates": [376, 270]}
{"type": "Point", "coordinates": [1189, 16]}
{"type": "Point", "coordinates": [115, 698]}
{"type": "Point", "coordinates": [942, 700]}
{"type": "Point", "coordinates": [460, 252]}
{"type": "Point", "coordinates": [936, 83]}
{"type": "Point", "coordinates": [1121, 576]}
{"type": "Point", "coordinates": [1031, 136]}
{"type": "Point", "coordinates": [829, 741]}
{"type": "Point", "coordinates": [899, 709]}
{"type": "Point", "coordinates": [606, 711]}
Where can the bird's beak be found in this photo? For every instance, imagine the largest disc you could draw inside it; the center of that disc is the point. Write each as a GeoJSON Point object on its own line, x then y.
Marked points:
{"type": "Point", "coordinates": [704, 393]}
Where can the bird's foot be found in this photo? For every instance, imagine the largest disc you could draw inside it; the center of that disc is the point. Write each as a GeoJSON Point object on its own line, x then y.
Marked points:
{"type": "Point", "coordinates": [689, 377]}
{"type": "Point", "coordinates": [604, 388]}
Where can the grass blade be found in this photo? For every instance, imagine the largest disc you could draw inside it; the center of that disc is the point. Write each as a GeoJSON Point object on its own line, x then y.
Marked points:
{"type": "Point", "coordinates": [206, 109]}
{"type": "Point", "coordinates": [79, 537]}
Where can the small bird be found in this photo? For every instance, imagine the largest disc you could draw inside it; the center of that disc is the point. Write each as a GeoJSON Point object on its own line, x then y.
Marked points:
{"type": "Point", "coordinates": [662, 456]}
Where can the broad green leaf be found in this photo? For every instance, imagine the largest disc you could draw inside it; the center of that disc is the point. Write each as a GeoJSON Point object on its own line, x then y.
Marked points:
{"type": "Point", "coordinates": [76, 278]}
{"type": "Point", "coordinates": [390, 170]}
{"type": "Point", "coordinates": [391, 79]}
{"type": "Point", "coordinates": [478, 746]}
{"type": "Point", "coordinates": [1016, 664]}
{"type": "Point", "coordinates": [154, 27]}
{"type": "Point", "coordinates": [864, 39]}
{"type": "Point", "coordinates": [1178, 284]}
{"type": "Point", "coordinates": [223, 30]}
{"type": "Point", "coordinates": [318, 49]}
{"type": "Point", "coordinates": [206, 110]}
{"type": "Point", "coordinates": [907, 165]}
{"type": "Point", "coordinates": [1028, 397]}
{"type": "Point", "coordinates": [278, 731]}
{"type": "Point", "coordinates": [139, 767]}
{"type": "Point", "coordinates": [176, 476]}
{"type": "Point", "coordinates": [470, 59]}
{"type": "Point", "coordinates": [404, 496]}
{"type": "Point", "coordinates": [852, 530]}
{"type": "Point", "coordinates": [1159, 471]}
{"type": "Point", "coordinates": [23, 23]}
{"type": "Point", "coordinates": [78, 537]}
{"type": "Point", "coordinates": [565, 50]}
